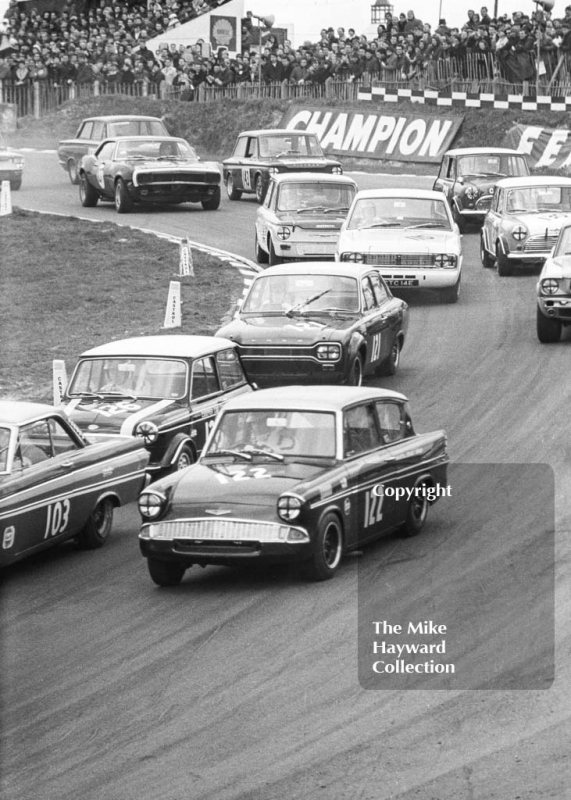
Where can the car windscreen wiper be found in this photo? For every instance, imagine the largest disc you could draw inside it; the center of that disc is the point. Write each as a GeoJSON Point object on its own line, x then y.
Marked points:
{"type": "Point", "coordinates": [303, 303]}
{"type": "Point", "coordinates": [238, 453]}
{"type": "Point", "coordinates": [427, 225]}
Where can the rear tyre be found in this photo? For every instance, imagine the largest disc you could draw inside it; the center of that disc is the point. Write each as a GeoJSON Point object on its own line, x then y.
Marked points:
{"type": "Point", "coordinates": [505, 268]}
{"type": "Point", "coordinates": [548, 330]}
{"type": "Point", "coordinates": [72, 171]}
{"type": "Point", "coordinates": [261, 256]}
{"type": "Point", "coordinates": [356, 373]}
{"type": "Point", "coordinates": [391, 364]}
{"type": "Point", "coordinates": [328, 549]}
{"type": "Point", "coordinates": [98, 527]}
{"type": "Point", "coordinates": [123, 201]}
{"type": "Point", "coordinates": [165, 573]}
{"type": "Point", "coordinates": [486, 259]}
{"type": "Point", "coordinates": [213, 202]}
{"type": "Point", "coordinates": [87, 194]}
{"type": "Point", "coordinates": [451, 293]}
{"type": "Point", "coordinates": [416, 515]}
{"type": "Point", "coordinates": [273, 258]}
{"type": "Point", "coordinates": [233, 193]}
{"type": "Point", "coordinates": [184, 459]}
{"type": "Point", "coordinates": [259, 189]}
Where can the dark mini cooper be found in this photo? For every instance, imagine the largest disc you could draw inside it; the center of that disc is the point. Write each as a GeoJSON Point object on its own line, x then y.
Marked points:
{"type": "Point", "coordinates": [259, 154]}
{"type": "Point", "coordinates": [165, 389]}
{"type": "Point", "coordinates": [148, 170]}
{"type": "Point", "coordinates": [295, 475]}
{"type": "Point", "coordinates": [55, 484]}
{"type": "Point", "coordinates": [318, 323]}
{"type": "Point", "coordinates": [94, 130]}
{"type": "Point", "coordinates": [467, 177]}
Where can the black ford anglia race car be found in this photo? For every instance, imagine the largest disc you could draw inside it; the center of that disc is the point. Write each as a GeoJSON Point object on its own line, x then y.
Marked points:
{"type": "Point", "coordinates": [297, 474]}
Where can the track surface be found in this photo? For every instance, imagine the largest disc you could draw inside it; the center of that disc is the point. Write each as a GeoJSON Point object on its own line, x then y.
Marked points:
{"type": "Point", "coordinates": [240, 686]}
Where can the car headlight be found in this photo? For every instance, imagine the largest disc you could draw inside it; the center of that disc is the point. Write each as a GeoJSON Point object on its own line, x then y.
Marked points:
{"type": "Point", "coordinates": [289, 507]}
{"type": "Point", "coordinates": [328, 352]}
{"type": "Point", "coordinates": [445, 260]}
{"type": "Point", "coordinates": [337, 171]}
{"type": "Point", "coordinates": [355, 257]}
{"type": "Point", "coordinates": [148, 431]}
{"type": "Point", "coordinates": [471, 192]}
{"type": "Point", "coordinates": [283, 232]}
{"type": "Point", "coordinates": [549, 285]}
{"type": "Point", "coordinates": [152, 504]}
{"type": "Point", "coordinates": [273, 170]}
{"type": "Point", "coordinates": [519, 233]}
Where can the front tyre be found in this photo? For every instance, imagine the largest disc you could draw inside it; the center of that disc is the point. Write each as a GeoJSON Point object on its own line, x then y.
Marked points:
{"type": "Point", "coordinates": [548, 329]}
{"type": "Point", "coordinates": [416, 515]}
{"type": "Point", "coordinates": [486, 259]}
{"type": "Point", "coordinates": [505, 267]}
{"type": "Point", "coordinates": [273, 258]}
{"type": "Point", "coordinates": [328, 549]}
{"type": "Point", "coordinates": [213, 202]}
{"type": "Point", "coordinates": [261, 256]}
{"type": "Point", "coordinates": [165, 573]}
{"type": "Point", "coordinates": [451, 294]}
{"type": "Point", "coordinates": [96, 530]}
{"type": "Point", "coordinates": [123, 201]}
{"type": "Point", "coordinates": [232, 192]}
{"type": "Point", "coordinates": [88, 197]}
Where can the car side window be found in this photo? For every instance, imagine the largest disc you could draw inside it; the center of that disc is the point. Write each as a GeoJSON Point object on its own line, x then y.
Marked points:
{"type": "Point", "coordinates": [106, 152]}
{"type": "Point", "coordinates": [391, 421]}
{"type": "Point", "coordinates": [62, 441]}
{"type": "Point", "coordinates": [379, 288]}
{"type": "Point", "coordinates": [252, 148]}
{"type": "Point", "coordinates": [360, 432]}
{"type": "Point", "coordinates": [34, 445]}
{"type": "Point", "coordinates": [450, 169]}
{"type": "Point", "coordinates": [497, 201]}
{"type": "Point", "coordinates": [204, 379]}
{"type": "Point", "coordinates": [230, 370]}
{"type": "Point", "coordinates": [240, 148]}
{"type": "Point", "coordinates": [369, 302]}
{"type": "Point", "coordinates": [99, 131]}
{"type": "Point", "coordinates": [86, 131]}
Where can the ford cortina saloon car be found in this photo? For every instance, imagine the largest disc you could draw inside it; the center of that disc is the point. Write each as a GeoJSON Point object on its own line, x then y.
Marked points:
{"type": "Point", "coordinates": [408, 235]}
{"type": "Point", "coordinates": [94, 130]}
{"type": "Point", "coordinates": [148, 170]}
{"type": "Point", "coordinates": [296, 474]}
{"type": "Point", "coordinates": [301, 217]}
{"type": "Point", "coordinates": [55, 484]}
{"type": "Point", "coordinates": [259, 154]}
{"type": "Point", "coordinates": [318, 323]}
{"type": "Point", "coordinates": [165, 389]}
{"type": "Point", "coordinates": [524, 221]}
{"type": "Point", "coordinates": [554, 290]}
{"type": "Point", "coordinates": [467, 177]}
{"type": "Point", "coordinates": [11, 165]}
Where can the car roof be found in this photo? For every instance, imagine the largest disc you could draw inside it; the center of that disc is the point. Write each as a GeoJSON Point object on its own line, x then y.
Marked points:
{"type": "Point", "coordinates": [475, 151]}
{"type": "Point", "coordinates": [419, 194]}
{"type": "Point", "coordinates": [310, 398]}
{"type": "Point", "coordinates": [535, 180]}
{"type": "Point", "coordinates": [175, 346]}
{"type": "Point", "coordinates": [145, 138]}
{"type": "Point", "coordinates": [350, 270]}
{"type": "Point", "coordinates": [276, 132]}
{"type": "Point", "coordinates": [18, 412]}
{"type": "Point", "coordinates": [314, 177]}
{"type": "Point", "coordinates": [120, 118]}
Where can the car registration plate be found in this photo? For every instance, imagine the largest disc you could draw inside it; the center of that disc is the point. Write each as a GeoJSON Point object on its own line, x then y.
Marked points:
{"type": "Point", "coordinates": [317, 250]}
{"type": "Point", "coordinates": [401, 281]}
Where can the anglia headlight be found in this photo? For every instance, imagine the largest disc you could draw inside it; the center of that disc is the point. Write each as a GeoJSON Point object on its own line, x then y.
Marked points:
{"type": "Point", "coordinates": [519, 233]}
{"type": "Point", "coordinates": [289, 507]}
{"type": "Point", "coordinates": [283, 232]}
{"type": "Point", "coordinates": [357, 258]}
{"type": "Point", "coordinates": [152, 504]}
{"type": "Point", "coordinates": [445, 261]}
{"type": "Point", "coordinates": [148, 431]}
{"type": "Point", "coordinates": [549, 285]}
{"type": "Point", "coordinates": [471, 192]}
{"type": "Point", "coordinates": [328, 352]}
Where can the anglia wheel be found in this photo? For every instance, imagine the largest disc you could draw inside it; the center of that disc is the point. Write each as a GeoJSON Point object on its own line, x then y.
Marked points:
{"type": "Point", "coordinates": [87, 194]}
{"type": "Point", "coordinates": [548, 329]}
{"type": "Point", "coordinates": [261, 256]}
{"type": "Point", "coordinates": [165, 573]}
{"type": "Point", "coordinates": [213, 202]}
{"type": "Point", "coordinates": [98, 527]}
{"type": "Point", "coordinates": [73, 171]}
{"type": "Point", "coordinates": [123, 201]}
{"type": "Point", "coordinates": [328, 549]}
{"type": "Point", "coordinates": [233, 193]}
{"type": "Point", "coordinates": [416, 514]}
{"type": "Point", "coordinates": [259, 189]}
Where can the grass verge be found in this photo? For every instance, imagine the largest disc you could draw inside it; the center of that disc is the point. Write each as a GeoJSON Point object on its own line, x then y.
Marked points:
{"type": "Point", "coordinates": [68, 285]}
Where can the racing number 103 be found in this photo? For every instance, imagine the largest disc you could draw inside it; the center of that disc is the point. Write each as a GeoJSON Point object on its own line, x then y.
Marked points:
{"type": "Point", "coordinates": [373, 507]}
{"type": "Point", "coordinates": [57, 519]}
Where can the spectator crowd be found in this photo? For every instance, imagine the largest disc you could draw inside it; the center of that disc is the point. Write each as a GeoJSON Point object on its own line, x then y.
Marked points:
{"type": "Point", "coordinates": [107, 42]}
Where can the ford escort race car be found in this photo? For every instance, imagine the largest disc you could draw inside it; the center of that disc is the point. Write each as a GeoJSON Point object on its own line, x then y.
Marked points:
{"type": "Point", "coordinates": [554, 290]}
{"type": "Point", "coordinates": [296, 474]}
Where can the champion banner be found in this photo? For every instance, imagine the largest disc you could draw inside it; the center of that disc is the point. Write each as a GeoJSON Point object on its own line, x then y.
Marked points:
{"type": "Point", "coordinates": [544, 147]}
{"type": "Point", "coordinates": [386, 137]}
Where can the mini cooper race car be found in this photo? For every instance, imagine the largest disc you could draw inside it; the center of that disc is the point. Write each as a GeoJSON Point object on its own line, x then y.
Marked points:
{"type": "Point", "coordinates": [165, 389]}
{"type": "Point", "coordinates": [295, 475]}
{"type": "Point", "coordinates": [94, 130]}
{"type": "Point", "coordinates": [523, 223]}
{"type": "Point", "coordinates": [408, 235]}
{"type": "Point", "coordinates": [301, 216]}
{"type": "Point", "coordinates": [554, 290]}
{"type": "Point", "coordinates": [11, 165]}
{"type": "Point", "coordinates": [55, 484]}
{"type": "Point", "coordinates": [468, 175]}
{"type": "Point", "coordinates": [259, 154]}
{"type": "Point", "coordinates": [150, 170]}
{"type": "Point", "coordinates": [318, 323]}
